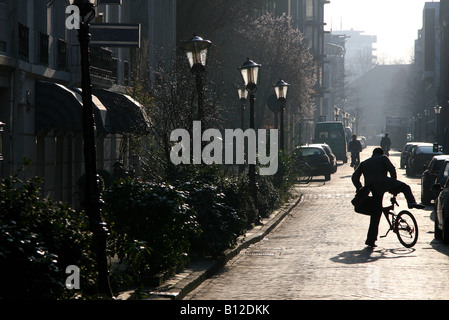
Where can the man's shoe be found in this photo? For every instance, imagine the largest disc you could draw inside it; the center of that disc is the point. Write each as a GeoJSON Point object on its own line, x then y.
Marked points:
{"type": "Point", "coordinates": [415, 205]}
{"type": "Point", "coordinates": [370, 244]}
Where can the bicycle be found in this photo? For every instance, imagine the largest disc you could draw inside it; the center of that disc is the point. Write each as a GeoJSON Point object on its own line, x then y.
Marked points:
{"type": "Point", "coordinates": [355, 160]}
{"type": "Point", "coordinates": [305, 172]}
{"type": "Point", "coordinates": [403, 224]}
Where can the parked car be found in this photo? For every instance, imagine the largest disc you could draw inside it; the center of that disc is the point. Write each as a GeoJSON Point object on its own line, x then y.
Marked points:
{"type": "Point", "coordinates": [362, 140]}
{"type": "Point", "coordinates": [429, 177]}
{"type": "Point", "coordinates": [330, 154]}
{"type": "Point", "coordinates": [317, 159]}
{"type": "Point", "coordinates": [420, 155]}
{"type": "Point", "coordinates": [442, 210]}
{"type": "Point", "coordinates": [405, 152]}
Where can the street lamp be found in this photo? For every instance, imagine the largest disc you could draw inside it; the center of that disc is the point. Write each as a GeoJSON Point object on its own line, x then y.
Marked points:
{"type": "Point", "coordinates": [2, 128]}
{"type": "Point", "coordinates": [243, 96]}
{"type": "Point", "coordinates": [250, 74]}
{"type": "Point", "coordinates": [415, 135]}
{"type": "Point", "coordinates": [437, 115]}
{"type": "Point", "coordinates": [419, 125]}
{"type": "Point", "coordinates": [93, 201]}
{"type": "Point", "coordinates": [196, 51]}
{"type": "Point", "coordinates": [426, 115]}
{"type": "Point", "coordinates": [336, 113]}
{"type": "Point", "coordinates": [281, 88]}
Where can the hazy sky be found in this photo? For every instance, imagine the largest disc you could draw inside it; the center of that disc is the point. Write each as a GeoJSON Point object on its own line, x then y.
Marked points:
{"type": "Point", "coordinates": [395, 22]}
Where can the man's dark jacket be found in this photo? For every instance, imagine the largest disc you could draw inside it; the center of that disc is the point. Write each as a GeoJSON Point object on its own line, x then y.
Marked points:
{"type": "Point", "coordinates": [374, 171]}
{"type": "Point", "coordinates": [354, 146]}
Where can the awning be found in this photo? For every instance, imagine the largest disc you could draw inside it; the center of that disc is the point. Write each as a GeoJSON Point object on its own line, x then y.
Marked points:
{"type": "Point", "coordinates": [124, 115]}
{"type": "Point", "coordinates": [59, 108]}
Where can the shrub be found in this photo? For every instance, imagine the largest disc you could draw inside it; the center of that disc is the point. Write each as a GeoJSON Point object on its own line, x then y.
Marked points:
{"type": "Point", "coordinates": [150, 224]}
{"type": "Point", "coordinates": [219, 220]}
{"type": "Point", "coordinates": [38, 240]}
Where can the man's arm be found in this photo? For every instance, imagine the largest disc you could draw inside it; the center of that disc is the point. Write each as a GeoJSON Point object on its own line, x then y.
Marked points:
{"type": "Point", "coordinates": [356, 178]}
{"type": "Point", "coordinates": [390, 168]}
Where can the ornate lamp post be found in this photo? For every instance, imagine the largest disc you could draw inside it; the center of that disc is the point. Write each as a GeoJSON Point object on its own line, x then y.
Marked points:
{"type": "Point", "coordinates": [437, 120]}
{"type": "Point", "coordinates": [243, 96]}
{"type": "Point", "coordinates": [419, 116]}
{"type": "Point", "coordinates": [196, 51]}
{"type": "Point", "coordinates": [2, 128]}
{"type": "Point", "coordinates": [250, 74]}
{"type": "Point", "coordinates": [281, 88]}
{"type": "Point", "coordinates": [93, 201]}
{"type": "Point", "coordinates": [336, 113]}
{"type": "Point", "coordinates": [426, 118]}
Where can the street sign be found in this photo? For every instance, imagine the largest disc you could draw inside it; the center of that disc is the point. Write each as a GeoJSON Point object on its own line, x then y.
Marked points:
{"type": "Point", "coordinates": [115, 35]}
{"type": "Point", "coordinates": [117, 2]}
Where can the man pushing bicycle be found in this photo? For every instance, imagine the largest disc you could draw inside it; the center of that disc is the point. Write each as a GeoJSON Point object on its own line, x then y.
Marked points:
{"type": "Point", "coordinates": [375, 172]}
{"type": "Point", "coordinates": [355, 147]}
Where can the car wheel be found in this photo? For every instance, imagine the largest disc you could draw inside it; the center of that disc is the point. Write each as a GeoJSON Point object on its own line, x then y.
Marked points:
{"type": "Point", "coordinates": [445, 231]}
{"type": "Point", "coordinates": [327, 177]}
{"type": "Point", "coordinates": [425, 198]}
{"type": "Point", "coordinates": [438, 234]}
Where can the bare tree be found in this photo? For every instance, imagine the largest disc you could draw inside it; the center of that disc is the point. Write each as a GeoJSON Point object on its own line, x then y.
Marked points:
{"type": "Point", "coordinates": [283, 53]}
{"type": "Point", "coordinates": [170, 102]}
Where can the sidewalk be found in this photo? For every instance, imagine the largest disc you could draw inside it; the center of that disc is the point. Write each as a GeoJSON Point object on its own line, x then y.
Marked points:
{"type": "Point", "coordinates": [177, 287]}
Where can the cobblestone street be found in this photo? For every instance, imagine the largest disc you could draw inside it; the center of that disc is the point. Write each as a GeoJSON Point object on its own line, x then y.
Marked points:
{"type": "Point", "coordinates": [318, 252]}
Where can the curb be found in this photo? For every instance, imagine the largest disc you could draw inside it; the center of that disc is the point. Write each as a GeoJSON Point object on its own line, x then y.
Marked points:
{"type": "Point", "coordinates": [177, 287]}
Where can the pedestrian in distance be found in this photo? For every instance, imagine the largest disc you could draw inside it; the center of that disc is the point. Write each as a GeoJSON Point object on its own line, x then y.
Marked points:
{"type": "Point", "coordinates": [385, 144]}
{"type": "Point", "coordinates": [355, 147]}
{"type": "Point", "coordinates": [375, 171]}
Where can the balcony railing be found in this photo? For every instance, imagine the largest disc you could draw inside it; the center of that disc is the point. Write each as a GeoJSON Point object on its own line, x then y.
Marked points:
{"type": "Point", "coordinates": [102, 63]}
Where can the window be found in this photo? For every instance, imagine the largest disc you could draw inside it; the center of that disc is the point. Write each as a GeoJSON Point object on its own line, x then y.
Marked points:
{"type": "Point", "coordinates": [24, 46]}
{"type": "Point", "coordinates": [43, 48]}
{"type": "Point", "coordinates": [309, 9]}
{"type": "Point", "coordinates": [62, 54]}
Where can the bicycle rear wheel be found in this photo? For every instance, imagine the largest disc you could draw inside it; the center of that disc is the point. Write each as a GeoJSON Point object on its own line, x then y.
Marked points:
{"type": "Point", "coordinates": [406, 229]}
{"type": "Point", "coordinates": [305, 173]}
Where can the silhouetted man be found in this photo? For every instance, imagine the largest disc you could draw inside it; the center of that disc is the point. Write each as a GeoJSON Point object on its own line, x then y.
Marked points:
{"type": "Point", "coordinates": [355, 147]}
{"type": "Point", "coordinates": [385, 144]}
{"type": "Point", "coordinates": [374, 171]}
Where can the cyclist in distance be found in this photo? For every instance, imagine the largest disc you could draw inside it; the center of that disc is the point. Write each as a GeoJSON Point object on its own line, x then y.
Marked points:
{"type": "Point", "coordinates": [374, 171]}
{"type": "Point", "coordinates": [355, 147]}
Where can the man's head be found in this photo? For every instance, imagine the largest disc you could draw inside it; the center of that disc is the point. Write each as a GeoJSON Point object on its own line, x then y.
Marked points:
{"type": "Point", "coordinates": [354, 137]}
{"type": "Point", "coordinates": [386, 134]}
{"type": "Point", "coordinates": [378, 152]}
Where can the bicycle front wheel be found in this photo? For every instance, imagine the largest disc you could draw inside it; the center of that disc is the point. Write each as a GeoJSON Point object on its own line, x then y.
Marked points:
{"type": "Point", "coordinates": [406, 229]}
{"type": "Point", "coordinates": [305, 173]}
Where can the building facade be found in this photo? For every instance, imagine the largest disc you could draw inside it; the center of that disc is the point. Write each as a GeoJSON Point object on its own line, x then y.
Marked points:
{"type": "Point", "coordinates": [40, 95]}
{"type": "Point", "coordinates": [427, 80]}
{"type": "Point", "coordinates": [334, 74]}
{"type": "Point", "coordinates": [308, 17]}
